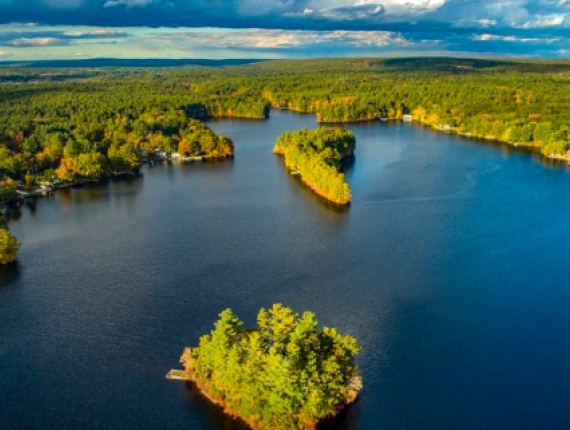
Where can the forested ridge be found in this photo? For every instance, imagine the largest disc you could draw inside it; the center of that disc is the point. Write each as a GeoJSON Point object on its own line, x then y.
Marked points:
{"type": "Point", "coordinates": [316, 156]}
{"type": "Point", "coordinates": [285, 374]}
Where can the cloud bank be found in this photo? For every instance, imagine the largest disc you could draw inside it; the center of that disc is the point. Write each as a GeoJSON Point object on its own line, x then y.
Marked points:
{"type": "Point", "coordinates": [485, 27]}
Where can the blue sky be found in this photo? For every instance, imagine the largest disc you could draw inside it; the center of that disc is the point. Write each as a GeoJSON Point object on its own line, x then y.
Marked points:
{"type": "Point", "coordinates": [47, 29]}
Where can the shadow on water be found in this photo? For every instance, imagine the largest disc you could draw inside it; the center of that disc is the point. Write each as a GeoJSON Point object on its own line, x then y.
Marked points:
{"type": "Point", "coordinates": [346, 164]}
{"type": "Point", "coordinates": [13, 212]}
{"type": "Point", "coordinates": [9, 275]}
{"type": "Point", "coordinates": [321, 201]}
{"type": "Point", "coordinates": [218, 165]}
{"type": "Point", "coordinates": [199, 403]}
{"type": "Point", "coordinates": [347, 419]}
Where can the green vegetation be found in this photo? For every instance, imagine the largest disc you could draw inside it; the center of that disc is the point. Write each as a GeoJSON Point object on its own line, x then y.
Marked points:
{"type": "Point", "coordinates": [316, 156]}
{"type": "Point", "coordinates": [93, 128]}
{"type": "Point", "coordinates": [109, 115]}
{"type": "Point", "coordinates": [198, 140]}
{"type": "Point", "coordinates": [285, 374]}
{"type": "Point", "coordinates": [9, 245]}
{"type": "Point", "coordinates": [73, 139]}
{"type": "Point", "coordinates": [8, 188]}
{"type": "Point", "coordinates": [87, 123]}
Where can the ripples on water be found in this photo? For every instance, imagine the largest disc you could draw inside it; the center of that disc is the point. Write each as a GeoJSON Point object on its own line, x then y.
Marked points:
{"type": "Point", "coordinates": [449, 267]}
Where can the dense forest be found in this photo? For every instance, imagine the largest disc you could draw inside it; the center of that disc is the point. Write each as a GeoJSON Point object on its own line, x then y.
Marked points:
{"type": "Point", "coordinates": [68, 136]}
{"type": "Point", "coordinates": [285, 374]}
{"type": "Point", "coordinates": [316, 156]}
{"type": "Point", "coordinates": [74, 123]}
{"type": "Point", "coordinates": [50, 114]}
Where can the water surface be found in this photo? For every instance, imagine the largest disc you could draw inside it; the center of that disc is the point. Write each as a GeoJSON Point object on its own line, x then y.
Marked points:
{"type": "Point", "coordinates": [450, 267]}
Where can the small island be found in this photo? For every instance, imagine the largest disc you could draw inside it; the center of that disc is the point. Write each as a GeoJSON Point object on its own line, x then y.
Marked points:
{"type": "Point", "coordinates": [286, 374]}
{"type": "Point", "coordinates": [316, 156]}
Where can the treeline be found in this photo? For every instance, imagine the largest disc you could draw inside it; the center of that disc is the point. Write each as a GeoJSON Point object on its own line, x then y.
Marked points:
{"type": "Point", "coordinates": [520, 103]}
{"type": "Point", "coordinates": [88, 122]}
{"type": "Point", "coordinates": [94, 124]}
{"type": "Point", "coordinates": [316, 156]}
{"type": "Point", "coordinates": [285, 374]}
{"type": "Point", "coordinates": [535, 117]}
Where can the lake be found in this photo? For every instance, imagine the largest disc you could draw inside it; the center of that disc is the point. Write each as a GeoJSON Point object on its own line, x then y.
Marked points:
{"type": "Point", "coordinates": [450, 267]}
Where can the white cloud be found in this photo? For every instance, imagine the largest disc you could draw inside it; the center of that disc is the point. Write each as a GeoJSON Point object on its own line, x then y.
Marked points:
{"type": "Point", "coordinates": [128, 3]}
{"type": "Point", "coordinates": [97, 33]}
{"type": "Point", "coordinates": [486, 22]}
{"type": "Point", "coordinates": [18, 25]}
{"type": "Point", "coordinates": [35, 41]}
{"type": "Point", "coordinates": [257, 39]}
{"type": "Point", "coordinates": [545, 21]}
{"type": "Point", "coordinates": [409, 7]}
{"type": "Point", "coordinates": [514, 39]}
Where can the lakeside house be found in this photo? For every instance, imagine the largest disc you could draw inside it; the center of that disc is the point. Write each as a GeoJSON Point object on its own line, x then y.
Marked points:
{"type": "Point", "coordinates": [160, 155]}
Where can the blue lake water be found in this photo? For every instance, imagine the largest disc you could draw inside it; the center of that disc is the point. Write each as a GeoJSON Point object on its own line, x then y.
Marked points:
{"type": "Point", "coordinates": [450, 267]}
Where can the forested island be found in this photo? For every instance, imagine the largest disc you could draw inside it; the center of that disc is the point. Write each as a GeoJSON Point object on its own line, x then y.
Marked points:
{"type": "Point", "coordinates": [79, 124]}
{"type": "Point", "coordinates": [513, 101]}
{"type": "Point", "coordinates": [316, 155]}
{"type": "Point", "coordinates": [285, 374]}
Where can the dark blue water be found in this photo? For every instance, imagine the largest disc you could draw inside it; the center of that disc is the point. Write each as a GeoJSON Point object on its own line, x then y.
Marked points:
{"type": "Point", "coordinates": [450, 267]}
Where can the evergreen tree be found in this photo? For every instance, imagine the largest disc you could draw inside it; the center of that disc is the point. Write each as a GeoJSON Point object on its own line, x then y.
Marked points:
{"type": "Point", "coordinates": [285, 374]}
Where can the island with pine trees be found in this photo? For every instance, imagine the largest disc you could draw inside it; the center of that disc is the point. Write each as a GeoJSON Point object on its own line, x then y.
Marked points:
{"type": "Point", "coordinates": [285, 374]}
{"type": "Point", "coordinates": [316, 156]}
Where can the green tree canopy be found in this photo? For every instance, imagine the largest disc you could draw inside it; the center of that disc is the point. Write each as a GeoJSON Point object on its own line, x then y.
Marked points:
{"type": "Point", "coordinates": [285, 374]}
{"type": "Point", "coordinates": [316, 156]}
{"type": "Point", "coordinates": [9, 247]}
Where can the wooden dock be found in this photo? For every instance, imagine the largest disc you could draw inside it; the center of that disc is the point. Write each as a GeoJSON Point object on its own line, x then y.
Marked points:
{"type": "Point", "coordinates": [178, 375]}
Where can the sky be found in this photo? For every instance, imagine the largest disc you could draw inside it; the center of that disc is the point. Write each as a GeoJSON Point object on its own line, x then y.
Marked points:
{"type": "Point", "coordinates": [64, 29]}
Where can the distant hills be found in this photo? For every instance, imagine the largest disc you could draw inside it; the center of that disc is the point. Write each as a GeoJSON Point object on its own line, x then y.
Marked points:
{"type": "Point", "coordinates": [445, 65]}
{"type": "Point", "coordinates": [119, 62]}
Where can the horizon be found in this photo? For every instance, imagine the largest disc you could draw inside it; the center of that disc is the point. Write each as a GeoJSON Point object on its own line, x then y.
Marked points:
{"type": "Point", "coordinates": [228, 62]}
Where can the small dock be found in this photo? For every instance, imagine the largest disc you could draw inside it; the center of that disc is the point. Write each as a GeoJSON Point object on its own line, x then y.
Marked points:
{"type": "Point", "coordinates": [178, 375]}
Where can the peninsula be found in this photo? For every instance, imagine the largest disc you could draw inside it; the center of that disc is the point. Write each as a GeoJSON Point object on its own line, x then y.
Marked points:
{"type": "Point", "coordinates": [316, 156]}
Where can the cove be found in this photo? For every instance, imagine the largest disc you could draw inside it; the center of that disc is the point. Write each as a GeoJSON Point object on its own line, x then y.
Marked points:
{"type": "Point", "coordinates": [449, 267]}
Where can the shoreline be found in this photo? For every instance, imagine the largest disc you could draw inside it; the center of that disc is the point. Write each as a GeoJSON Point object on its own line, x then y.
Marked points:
{"type": "Point", "coordinates": [315, 189]}
{"type": "Point", "coordinates": [43, 193]}
{"type": "Point", "coordinates": [355, 385]}
{"type": "Point", "coordinates": [294, 172]}
{"type": "Point", "coordinates": [444, 128]}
